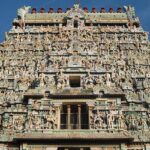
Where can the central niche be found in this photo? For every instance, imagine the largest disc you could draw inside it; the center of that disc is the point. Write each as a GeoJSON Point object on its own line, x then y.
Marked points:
{"type": "Point", "coordinates": [74, 81]}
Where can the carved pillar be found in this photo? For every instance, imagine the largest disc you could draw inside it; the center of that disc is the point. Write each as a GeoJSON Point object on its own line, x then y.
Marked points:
{"type": "Point", "coordinates": [147, 147]}
{"type": "Point", "coordinates": [23, 146]}
{"type": "Point", "coordinates": [51, 148]}
{"type": "Point", "coordinates": [90, 107]}
{"type": "Point", "coordinates": [95, 148]}
{"type": "Point", "coordinates": [3, 147]}
{"type": "Point", "coordinates": [58, 106]}
{"type": "Point", "coordinates": [90, 112]}
{"type": "Point", "coordinates": [69, 116]}
{"type": "Point", "coordinates": [123, 147]}
{"type": "Point", "coordinates": [79, 116]}
{"type": "Point", "coordinates": [58, 116]}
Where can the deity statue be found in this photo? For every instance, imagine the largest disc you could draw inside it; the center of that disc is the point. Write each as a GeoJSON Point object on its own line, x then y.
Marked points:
{"type": "Point", "coordinates": [98, 120]}
{"type": "Point", "coordinates": [34, 121]}
{"type": "Point", "coordinates": [121, 121]}
{"type": "Point", "coordinates": [7, 121]}
{"type": "Point", "coordinates": [110, 120]}
{"type": "Point", "coordinates": [51, 118]}
{"type": "Point", "coordinates": [18, 122]}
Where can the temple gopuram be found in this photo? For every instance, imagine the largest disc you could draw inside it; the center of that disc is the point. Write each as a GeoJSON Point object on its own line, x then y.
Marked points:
{"type": "Point", "coordinates": [75, 80]}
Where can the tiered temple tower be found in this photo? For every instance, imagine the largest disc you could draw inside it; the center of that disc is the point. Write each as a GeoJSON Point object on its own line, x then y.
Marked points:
{"type": "Point", "coordinates": [75, 81]}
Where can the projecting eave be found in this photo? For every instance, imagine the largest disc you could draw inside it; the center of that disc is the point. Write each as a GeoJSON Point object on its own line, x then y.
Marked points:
{"type": "Point", "coordinates": [86, 136]}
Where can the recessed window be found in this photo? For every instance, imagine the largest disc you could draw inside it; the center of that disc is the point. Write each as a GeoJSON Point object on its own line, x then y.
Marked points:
{"type": "Point", "coordinates": [74, 81]}
{"type": "Point", "coordinates": [75, 24]}
{"type": "Point", "coordinates": [74, 116]}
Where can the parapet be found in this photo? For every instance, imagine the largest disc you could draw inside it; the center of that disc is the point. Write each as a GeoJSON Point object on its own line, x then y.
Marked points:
{"type": "Point", "coordinates": [126, 17]}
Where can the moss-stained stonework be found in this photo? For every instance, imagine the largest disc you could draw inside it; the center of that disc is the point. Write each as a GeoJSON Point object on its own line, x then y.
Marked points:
{"type": "Point", "coordinates": [75, 80]}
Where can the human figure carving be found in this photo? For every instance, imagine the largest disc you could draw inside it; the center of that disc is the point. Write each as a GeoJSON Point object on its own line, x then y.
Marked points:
{"type": "Point", "coordinates": [110, 120]}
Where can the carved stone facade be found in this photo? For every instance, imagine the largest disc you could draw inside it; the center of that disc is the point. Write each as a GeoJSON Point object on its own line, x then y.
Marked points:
{"type": "Point", "coordinates": [69, 79]}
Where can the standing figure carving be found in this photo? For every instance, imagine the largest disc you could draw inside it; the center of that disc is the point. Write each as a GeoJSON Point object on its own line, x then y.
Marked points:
{"type": "Point", "coordinates": [51, 118]}
{"type": "Point", "coordinates": [110, 120]}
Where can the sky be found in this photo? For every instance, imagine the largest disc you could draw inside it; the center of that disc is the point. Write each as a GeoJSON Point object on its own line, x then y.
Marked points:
{"type": "Point", "coordinates": [8, 9]}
